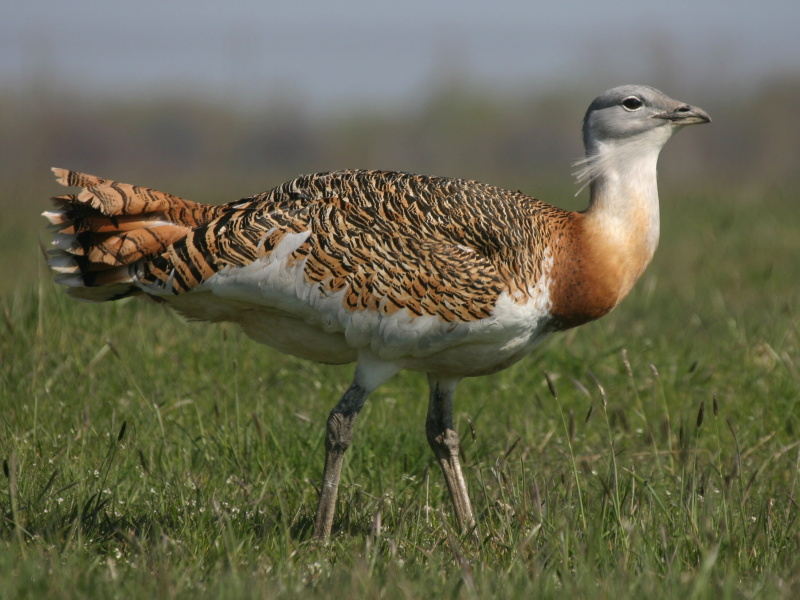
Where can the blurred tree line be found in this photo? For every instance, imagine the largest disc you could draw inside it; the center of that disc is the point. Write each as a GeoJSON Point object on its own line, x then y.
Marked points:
{"type": "Point", "coordinates": [510, 139]}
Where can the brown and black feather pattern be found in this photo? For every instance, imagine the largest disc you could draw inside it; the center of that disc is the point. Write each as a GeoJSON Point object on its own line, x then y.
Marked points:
{"type": "Point", "coordinates": [390, 241]}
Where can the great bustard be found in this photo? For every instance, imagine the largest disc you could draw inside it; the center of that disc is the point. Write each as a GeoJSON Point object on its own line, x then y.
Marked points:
{"type": "Point", "coordinates": [394, 271]}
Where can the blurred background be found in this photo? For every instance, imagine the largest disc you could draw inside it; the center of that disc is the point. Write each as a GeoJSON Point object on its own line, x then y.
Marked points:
{"type": "Point", "coordinates": [220, 100]}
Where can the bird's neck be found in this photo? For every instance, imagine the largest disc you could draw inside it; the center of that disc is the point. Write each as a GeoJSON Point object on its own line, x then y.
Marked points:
{"type": "Point", "coordinates": [613, 240]}
{"type": "Point", "coordinates": [623, 214]}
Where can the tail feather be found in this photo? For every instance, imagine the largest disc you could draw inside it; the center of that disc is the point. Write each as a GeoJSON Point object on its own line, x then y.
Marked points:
{"type": "Point", "coordinates": [106, 228]}
{"type": "Point", "coordinates": [112, 198]}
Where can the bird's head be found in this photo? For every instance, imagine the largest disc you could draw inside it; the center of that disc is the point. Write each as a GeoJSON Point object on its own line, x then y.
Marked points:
{"type": "Point", "coordinates": [639, 113]}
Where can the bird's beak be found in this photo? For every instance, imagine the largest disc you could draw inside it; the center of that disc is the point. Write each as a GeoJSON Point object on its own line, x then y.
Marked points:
{"type": "Point", "coordinates": [685, 114]}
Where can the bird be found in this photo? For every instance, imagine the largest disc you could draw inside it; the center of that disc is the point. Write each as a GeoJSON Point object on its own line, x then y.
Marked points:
{"type": "Point", "coordinates": [390, 270]}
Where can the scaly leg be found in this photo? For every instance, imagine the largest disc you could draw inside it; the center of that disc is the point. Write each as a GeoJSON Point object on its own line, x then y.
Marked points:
{"type": "Point", "coordinates": [339, 434]}
{"type": "Point", "coordinates": [445, 445]}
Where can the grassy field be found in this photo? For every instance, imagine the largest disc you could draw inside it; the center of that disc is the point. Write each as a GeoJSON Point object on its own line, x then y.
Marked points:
{"type": "Point", "coordinates": [147, 457]}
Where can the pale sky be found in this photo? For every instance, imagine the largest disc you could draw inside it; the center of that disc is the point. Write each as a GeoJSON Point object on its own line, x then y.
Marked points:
{"type": "Point", "coordinates": [360, 52]}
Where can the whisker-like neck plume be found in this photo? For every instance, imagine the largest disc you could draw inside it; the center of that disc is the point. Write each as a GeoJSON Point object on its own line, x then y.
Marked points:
{"type": "Point", "coordinates": [623, 212]}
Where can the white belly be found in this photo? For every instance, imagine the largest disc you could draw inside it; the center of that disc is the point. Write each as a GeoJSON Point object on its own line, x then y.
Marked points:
{"type": "Point", "coordinates": [424, 344]}
{"type": "Point", "coordinates": [276, 306]}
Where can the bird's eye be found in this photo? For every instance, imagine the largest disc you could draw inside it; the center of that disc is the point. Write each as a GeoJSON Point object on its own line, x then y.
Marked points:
{"type": "Point", "coordinates": [632, 103]}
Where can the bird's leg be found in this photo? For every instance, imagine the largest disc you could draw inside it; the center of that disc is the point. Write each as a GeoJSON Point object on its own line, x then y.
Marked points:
{"type": "Point", "coordinates": [445, 445]}
{"type": "Point", "coordinates": [338, 436]}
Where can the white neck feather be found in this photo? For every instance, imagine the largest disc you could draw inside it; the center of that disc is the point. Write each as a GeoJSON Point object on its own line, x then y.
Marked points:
{"type": "Point", "coordinates": [621, 175]}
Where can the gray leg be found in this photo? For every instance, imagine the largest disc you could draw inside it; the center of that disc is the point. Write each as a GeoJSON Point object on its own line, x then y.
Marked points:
{"type": "Point", "coordinates": [445, 445]}
{"type": "Point", "coordinates": [338, 438]}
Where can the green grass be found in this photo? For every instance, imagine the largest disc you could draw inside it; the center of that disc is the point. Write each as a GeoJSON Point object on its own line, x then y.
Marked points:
{"type": "Point", "coordinates": [148, 457]}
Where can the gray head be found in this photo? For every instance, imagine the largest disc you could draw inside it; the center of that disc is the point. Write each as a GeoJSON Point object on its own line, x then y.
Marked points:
{"type": "Point", "coordinates": [636, 112]}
